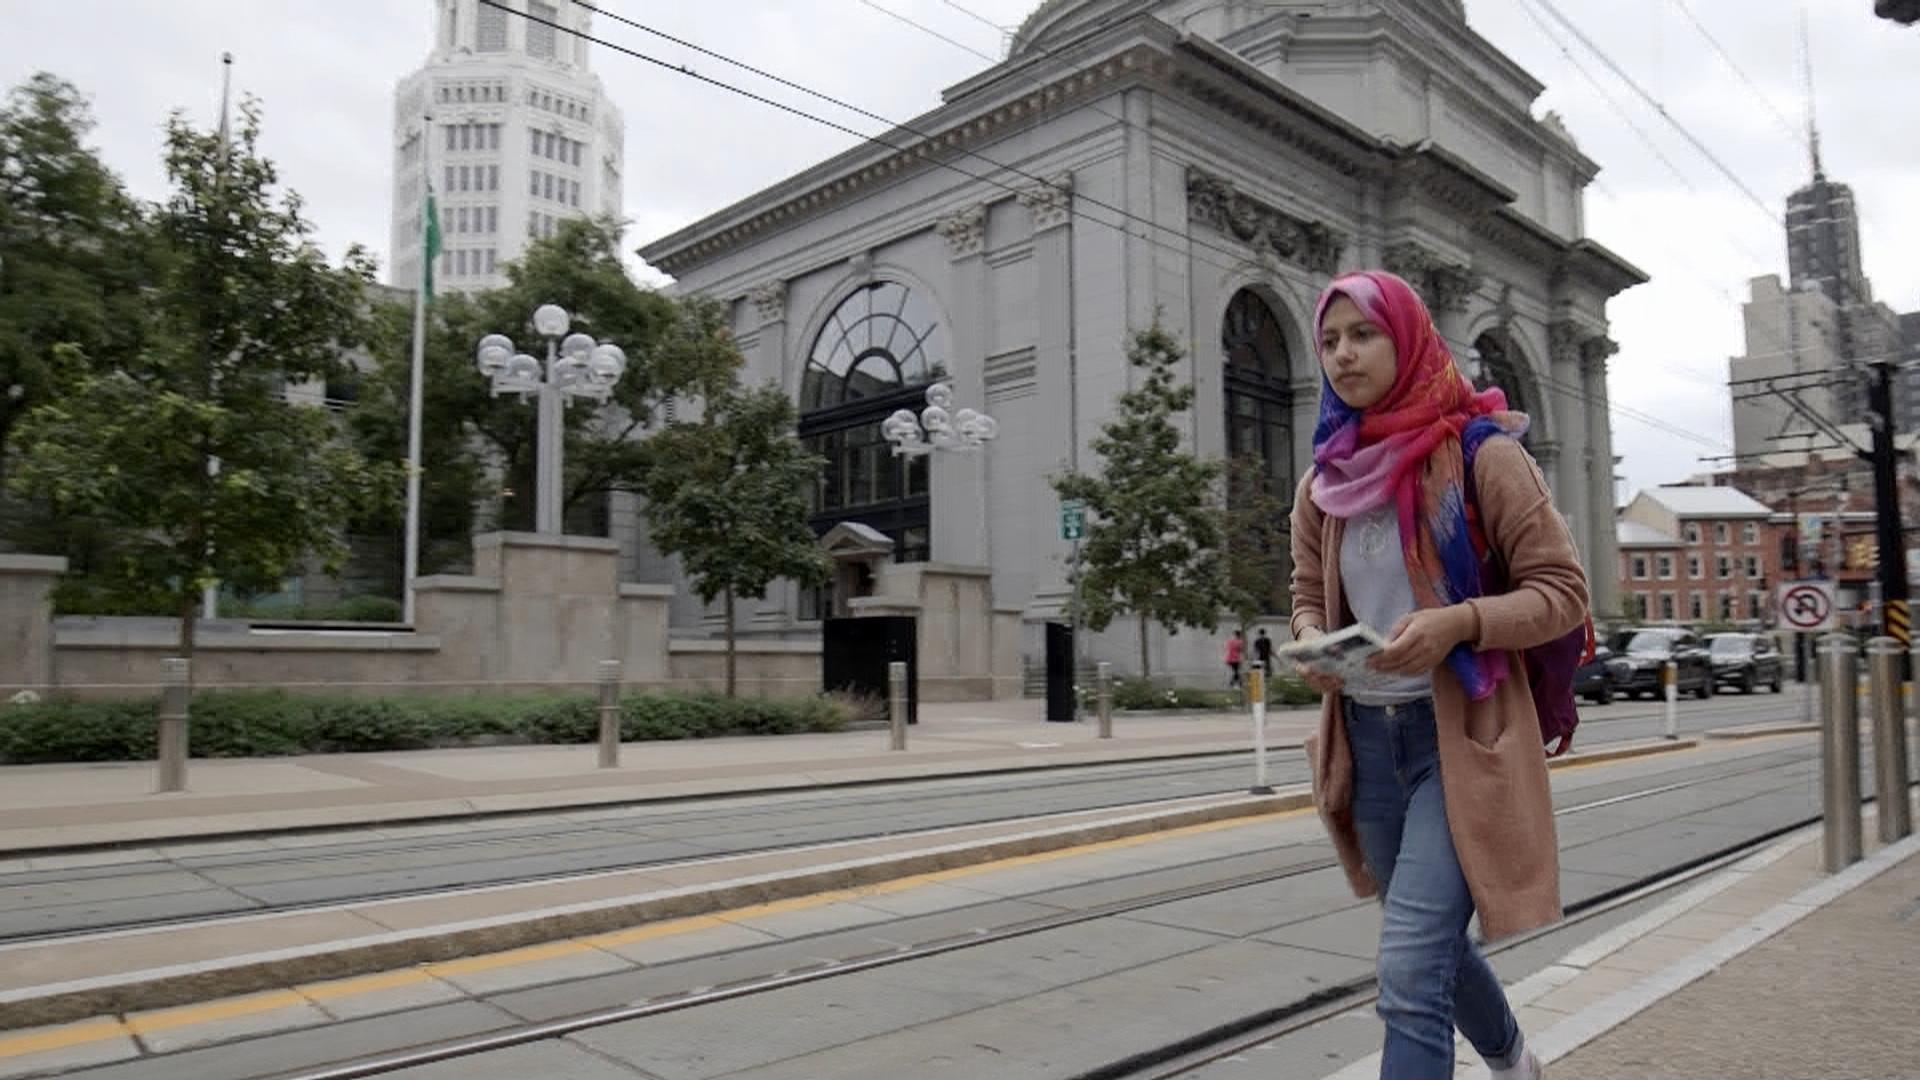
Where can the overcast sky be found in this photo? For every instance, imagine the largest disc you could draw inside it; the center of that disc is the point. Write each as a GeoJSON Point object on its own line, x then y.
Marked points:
{"type": "Point", "coordinates": [325, 73]}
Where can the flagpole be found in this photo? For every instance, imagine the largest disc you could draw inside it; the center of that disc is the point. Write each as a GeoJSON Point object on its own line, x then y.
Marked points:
{"type": "Point", "coordinates": [417, 377]}
{"type": "Point", "coordinates": [210, 596]}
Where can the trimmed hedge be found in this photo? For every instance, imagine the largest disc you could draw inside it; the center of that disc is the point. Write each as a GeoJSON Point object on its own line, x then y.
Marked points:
{"type": "Point", "coordinates": [246, 723]}
{"type": "Point", "coordinates": [1144, 694]}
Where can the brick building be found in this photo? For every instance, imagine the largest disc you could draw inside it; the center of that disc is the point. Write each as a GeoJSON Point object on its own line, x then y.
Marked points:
{"type": "Point", "coordinates": [1698, 555]}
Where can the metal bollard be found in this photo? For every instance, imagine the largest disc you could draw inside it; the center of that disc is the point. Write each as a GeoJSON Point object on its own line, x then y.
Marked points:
{"type": "Point", "coordinates": [175, 693]}
{"type": "Point", "coordinates": [1103, 697]}
{"type": "Point", "coordinates": [1840, 752]}
{"type": "Point", "coordinates": [609, 714]}
{"type": "Point", "coordinates": [1257, 695]}
{"type": "Point", "coordinates": [1889, 740]}
{"type": "Point", "coordinates": [1670, 678]}
{"type": "Point", "coordinates": [897, 705]}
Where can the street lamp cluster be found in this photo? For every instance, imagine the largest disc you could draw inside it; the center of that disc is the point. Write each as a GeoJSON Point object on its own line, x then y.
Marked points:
{"type": "Point", "coordinates": [938, 426]}
{"type": "Point", "coordinates": [577, 367]}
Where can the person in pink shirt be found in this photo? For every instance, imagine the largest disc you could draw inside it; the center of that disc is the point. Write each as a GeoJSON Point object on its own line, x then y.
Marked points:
{"type": "Point", "coordinates": [1236, 652]}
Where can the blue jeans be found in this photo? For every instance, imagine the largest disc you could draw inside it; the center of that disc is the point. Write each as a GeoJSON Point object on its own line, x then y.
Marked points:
{"type": "Point", "coordinates": [1432, 976]}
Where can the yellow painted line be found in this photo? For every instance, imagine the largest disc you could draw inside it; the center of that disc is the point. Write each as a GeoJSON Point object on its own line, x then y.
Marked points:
{"type": "Point", "coordinates": [209, 1012]}
{"type": "Point", "coordinates": [1684, 746]}
{"type": "Point", "coordinates": [59, 1038]}
{"type": "Point", "coordinates": [93, 1031]}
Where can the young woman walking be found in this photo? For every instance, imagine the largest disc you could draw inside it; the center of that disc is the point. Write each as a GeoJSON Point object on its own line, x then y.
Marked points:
{"type": "Point", "coordinates": [1429, 773]}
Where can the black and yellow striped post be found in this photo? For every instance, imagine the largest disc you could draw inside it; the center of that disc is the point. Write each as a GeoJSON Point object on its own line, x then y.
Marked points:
{"type": "Point", "coordinates": [1897, 623]}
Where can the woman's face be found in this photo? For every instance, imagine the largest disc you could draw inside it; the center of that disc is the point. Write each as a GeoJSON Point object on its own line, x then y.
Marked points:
{"type": "Point", "coordinates": [1356, 354]}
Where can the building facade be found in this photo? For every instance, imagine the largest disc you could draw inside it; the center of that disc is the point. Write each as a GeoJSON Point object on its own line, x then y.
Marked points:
{"type": "Point", "coordinates": [1207, 165]}
{"type": "Point", "coordinates": [521, 137]}
{"type": "Point", "coordinates": [1699, 555]}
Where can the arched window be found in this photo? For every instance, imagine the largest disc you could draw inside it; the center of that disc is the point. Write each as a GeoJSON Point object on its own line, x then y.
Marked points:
{"type": "Point", "coordinates": [1502, 364]}
{"type": "Point", "coordinates": [1259, 417]}
{"type": "Point", "coordinates": [875, 343]}
{"type": "Point", "coordinates": [877, 352]}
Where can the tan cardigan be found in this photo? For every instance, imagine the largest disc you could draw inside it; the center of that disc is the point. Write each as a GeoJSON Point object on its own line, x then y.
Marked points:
{"type": "Point", "coordinates": [1493, 770]}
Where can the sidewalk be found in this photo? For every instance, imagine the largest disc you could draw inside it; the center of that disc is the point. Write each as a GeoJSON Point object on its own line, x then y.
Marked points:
{"type": "Point", "coordinates": [1831, 996]}
{"type": "Point", "coordinates": [1772, 970]}
{"type": "Point", "coordinates": [45, 807]}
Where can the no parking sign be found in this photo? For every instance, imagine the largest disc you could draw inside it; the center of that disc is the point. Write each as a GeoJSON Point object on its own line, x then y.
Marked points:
{"type": "Point", "coordinates": [1806, 607]}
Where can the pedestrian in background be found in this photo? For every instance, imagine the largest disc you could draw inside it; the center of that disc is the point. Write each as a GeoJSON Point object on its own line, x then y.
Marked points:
{"type": "Point", "coordinates": [1236, 652]}
{"type": "Point", "coordinates": [1429, 772]}
{"type": "Point", "coordinates": [1263, 652]}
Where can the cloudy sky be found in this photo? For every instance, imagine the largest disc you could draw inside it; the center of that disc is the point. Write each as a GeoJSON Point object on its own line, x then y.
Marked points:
{"type": "Point", "coordinates": [325, 73]}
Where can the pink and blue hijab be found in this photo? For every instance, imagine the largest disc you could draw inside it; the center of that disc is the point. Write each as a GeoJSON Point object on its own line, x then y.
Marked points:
{"type": "Point", "coordinates": [1411, 449]}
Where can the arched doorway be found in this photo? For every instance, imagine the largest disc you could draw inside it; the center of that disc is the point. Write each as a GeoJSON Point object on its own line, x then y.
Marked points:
{"type": "Point", "coordinates": [877, 352]}
{"type": "Point", "coordinates": [1259, 430]}
{"type": "Point", "coordinates": [1502, 364]}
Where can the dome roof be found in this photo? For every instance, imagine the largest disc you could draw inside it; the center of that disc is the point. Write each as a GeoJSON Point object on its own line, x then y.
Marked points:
{"type": "Point", "coordinates": [1055, 19]}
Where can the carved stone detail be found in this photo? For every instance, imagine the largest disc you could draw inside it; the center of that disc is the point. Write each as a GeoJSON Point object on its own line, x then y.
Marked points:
{"type": "Point", "coordinates": [966, 231]}
{"type": "Point", "coordinates": [1595, 350]}
{"type": "Point", "coordinates": [1050, 202]}
{"type": "Point", "coordinates": [1216, 203]}
{"type": "Point", "coordinates": [1563, 341]}
{"type": "Point", "coordinates": [770, 300]}
{"type": "Point", "coordinates": [1446, 286]}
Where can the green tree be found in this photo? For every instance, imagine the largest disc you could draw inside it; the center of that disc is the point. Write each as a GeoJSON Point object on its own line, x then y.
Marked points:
{"type": "Point", "coordinates": [1255, 523]}
{"type": "Point", "coordinates": [242, 305]}
{"type": "Point", "coordinates": [1154, 546]}
{"type": "Point", "coordinates": [74, 254]}
{"type": "Point", "coordinates": [728, 495]}
{"type": "Point", "coordinates": [71, 251]}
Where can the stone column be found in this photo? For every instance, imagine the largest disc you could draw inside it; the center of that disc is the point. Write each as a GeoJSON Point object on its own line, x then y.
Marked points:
{"type": "Point", "coordinates": [1051, 207]}
{"type": "Point", "coordinates": [1603, 553]}
{"type": "Point", "coordinates": [26, 621]}
{"type": "Point", "coordinates": [772, 359]}
{"type": "Point", "coordinates": [1569, 473]}
{"type": "Point", "coordinates": [957, 484]}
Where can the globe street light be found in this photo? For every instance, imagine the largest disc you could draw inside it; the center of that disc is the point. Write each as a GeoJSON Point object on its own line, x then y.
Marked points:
{"type": "Point", "coordinates": [938, 427]}
{"type": "Point", "coordinates": [577, 367]}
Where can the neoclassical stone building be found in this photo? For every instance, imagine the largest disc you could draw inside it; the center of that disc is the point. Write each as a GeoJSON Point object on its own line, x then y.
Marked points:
{"type": "Point", "coordinates": [1209, 161]}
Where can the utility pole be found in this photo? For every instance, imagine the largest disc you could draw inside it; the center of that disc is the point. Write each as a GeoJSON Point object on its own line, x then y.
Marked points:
{"type": "Point", "coordinates": [1895, 620]}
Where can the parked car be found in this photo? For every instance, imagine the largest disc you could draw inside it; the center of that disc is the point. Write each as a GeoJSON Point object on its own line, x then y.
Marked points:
{"type": "Point", "coordinates": [1597, 678]}
{"type": "Point", "coordinates": [1648, 649]}
{"type": "Point", "coordinates": [1747, 661]}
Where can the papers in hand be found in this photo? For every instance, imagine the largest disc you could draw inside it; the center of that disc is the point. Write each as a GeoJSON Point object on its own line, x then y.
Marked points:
{"type": "Point", "coordinates": [1343, 653]}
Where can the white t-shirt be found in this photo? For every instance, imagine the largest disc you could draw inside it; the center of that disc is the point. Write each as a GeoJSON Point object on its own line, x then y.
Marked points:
{"type": "Point", "coordinates": [1373, 576]}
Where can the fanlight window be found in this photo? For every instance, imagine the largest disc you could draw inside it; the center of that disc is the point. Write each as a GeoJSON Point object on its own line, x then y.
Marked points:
{"type": "Point", "coordinates": [880, 339]}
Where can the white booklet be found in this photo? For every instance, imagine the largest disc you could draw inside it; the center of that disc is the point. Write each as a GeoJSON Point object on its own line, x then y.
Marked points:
{"type": "Point", "coordinates": [1343, 653]}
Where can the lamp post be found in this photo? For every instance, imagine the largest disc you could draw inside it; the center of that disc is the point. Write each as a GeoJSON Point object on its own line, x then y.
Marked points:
{"type": "Point", "coordinates": [576, 367]}
{"type": "Point", "coordinates": [937, 427]}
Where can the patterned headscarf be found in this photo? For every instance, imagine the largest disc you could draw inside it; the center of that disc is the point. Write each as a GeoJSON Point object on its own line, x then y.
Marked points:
{"type": "Point", "coordinates": [1410, 448]}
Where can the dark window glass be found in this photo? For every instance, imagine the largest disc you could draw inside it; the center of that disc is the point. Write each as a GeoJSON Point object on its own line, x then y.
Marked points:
{"type": "Point", "coordinates": [1503, 365]}
{"type": "Point", "coordinates": [1259, 409]}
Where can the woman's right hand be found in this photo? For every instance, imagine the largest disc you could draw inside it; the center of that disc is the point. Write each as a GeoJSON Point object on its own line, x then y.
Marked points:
{"type": "Point", "coordinates": [1326, 684]}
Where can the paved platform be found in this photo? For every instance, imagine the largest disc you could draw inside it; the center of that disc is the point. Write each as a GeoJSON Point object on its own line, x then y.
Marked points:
{"type": "Point", "coordinates": [1829, 995]}
{"type": "Point", "coordinates": [1772, 969]}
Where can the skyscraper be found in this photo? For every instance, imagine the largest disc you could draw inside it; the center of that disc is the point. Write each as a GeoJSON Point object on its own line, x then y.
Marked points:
{"type": "Point", "coordinates": [1823, 240]}
{"type": "Point", "coordinates": [522, 137]}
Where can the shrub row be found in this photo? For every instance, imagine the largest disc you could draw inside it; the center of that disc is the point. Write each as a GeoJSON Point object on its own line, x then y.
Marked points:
{"type": "Point", "coordinates": [265, 723]}
{"type": "Point", "coordinates": [1147, 694]}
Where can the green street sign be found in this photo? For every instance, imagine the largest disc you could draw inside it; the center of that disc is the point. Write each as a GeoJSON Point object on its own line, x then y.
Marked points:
{"type": "Point", "coordinates": [1073, 520]}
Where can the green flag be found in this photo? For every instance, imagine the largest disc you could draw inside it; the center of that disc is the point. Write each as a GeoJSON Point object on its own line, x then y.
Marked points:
{"type": "Point", "coordinates": [431, 244]}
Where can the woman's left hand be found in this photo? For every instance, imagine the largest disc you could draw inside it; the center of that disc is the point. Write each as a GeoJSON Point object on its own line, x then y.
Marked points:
{"type": "Point", "coordinates": [1422, 639]}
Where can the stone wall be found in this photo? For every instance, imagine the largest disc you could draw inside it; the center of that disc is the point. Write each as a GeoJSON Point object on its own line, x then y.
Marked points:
{"type": "Point", "coordinates": [539, 613]}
